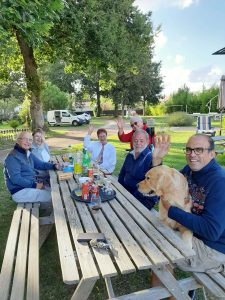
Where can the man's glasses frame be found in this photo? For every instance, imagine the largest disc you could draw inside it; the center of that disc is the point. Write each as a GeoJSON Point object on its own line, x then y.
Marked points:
{"type": "Point", "coordinates": [197, 151]}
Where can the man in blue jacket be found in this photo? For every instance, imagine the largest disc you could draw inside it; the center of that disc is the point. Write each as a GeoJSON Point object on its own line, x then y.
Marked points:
{"type": "Point", "coordinates": [139, 161]}
{"type": "Point", "coordinates": [20, 175]}
{"type": "Point", "coordinates": [206, 180]}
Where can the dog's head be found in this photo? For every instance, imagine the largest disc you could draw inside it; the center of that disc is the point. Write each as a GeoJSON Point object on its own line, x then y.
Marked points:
{"type": "Point", "coordinates": [163, 181]}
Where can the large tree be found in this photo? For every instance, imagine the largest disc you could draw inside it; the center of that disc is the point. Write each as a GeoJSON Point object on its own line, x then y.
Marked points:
{"type": "Point", "coordinates": [24, 25]}
{"type": "Point", "coordinates": [102, 39]}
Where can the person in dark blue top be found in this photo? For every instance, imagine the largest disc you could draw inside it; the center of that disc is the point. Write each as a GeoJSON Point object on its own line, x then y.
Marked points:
{"type": "Point", "coordinates": [206, 180]}
{"type": "Point", "coordinates": [139, 161]}
{"type": "Point", "coordinates": [20, 174]}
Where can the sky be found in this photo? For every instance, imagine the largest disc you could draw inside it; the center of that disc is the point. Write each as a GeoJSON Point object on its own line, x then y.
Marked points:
{"type": "Point", "coordinates": [191, 30]}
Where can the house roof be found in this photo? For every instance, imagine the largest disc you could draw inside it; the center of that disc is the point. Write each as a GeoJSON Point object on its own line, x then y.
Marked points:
{"type": "Point", "coordinates": [218, 52]}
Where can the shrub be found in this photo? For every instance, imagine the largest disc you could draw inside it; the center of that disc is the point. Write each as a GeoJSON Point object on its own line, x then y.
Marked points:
{"type": "Point", "coordinates": [156, 110]}
{"type": "Point", "coordinates": [179, 119]}
{"type": "Point", "coordinates": [14, 124]}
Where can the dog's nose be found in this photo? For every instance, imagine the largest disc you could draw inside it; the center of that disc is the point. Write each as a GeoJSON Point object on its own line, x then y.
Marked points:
{"type": "Point", "coordinates": [138, 185]}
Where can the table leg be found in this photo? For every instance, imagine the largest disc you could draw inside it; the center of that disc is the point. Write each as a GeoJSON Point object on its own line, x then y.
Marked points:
{"type": "Point", "coordinates": [109, 287]}
{"type": "Point", "coordinates": [83, 289]}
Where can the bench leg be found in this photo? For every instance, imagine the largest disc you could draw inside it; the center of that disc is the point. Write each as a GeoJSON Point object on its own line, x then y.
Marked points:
{"type": "Point", "coordinates": [84, 289]}
{"type": "Point", "coordinates": [44, 232]}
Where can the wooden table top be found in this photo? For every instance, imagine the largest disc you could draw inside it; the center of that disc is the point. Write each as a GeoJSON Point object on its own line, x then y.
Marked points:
{"type": "Point", "coordinates": [139, 239]}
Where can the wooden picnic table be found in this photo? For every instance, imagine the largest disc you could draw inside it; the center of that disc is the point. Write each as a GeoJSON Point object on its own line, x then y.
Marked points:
{"type": "Point", "coordinates": [139, 241]}
{"type": "Point", "coordinates": [219, 144]}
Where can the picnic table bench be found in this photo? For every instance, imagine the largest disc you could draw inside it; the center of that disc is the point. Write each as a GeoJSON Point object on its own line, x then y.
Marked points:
{"type": "Point", "coordinates": [19, 278]}
{"type": "Point", "coordinates": [219, 144]}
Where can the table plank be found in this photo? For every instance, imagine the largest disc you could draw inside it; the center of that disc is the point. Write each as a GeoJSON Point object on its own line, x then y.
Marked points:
{"type": "Point", "coordinates": [122, 259]}
{"type": "Point", "coordinates": [169, 251]}
{"type": "Point", "coordinates": [120, 256]}
{"type": "Point", "coordinates": [66, 255]}
{"type": "Point", "coordinates": [150, 215]}
{"type": "Point", "coordinates": [86, 260]}
{"type": "Point", "coordinates": [103, 258]}
{"type": "Point", "coordinates": [144, 241]}
{"type": "Point", "coordinates": [138, 256]}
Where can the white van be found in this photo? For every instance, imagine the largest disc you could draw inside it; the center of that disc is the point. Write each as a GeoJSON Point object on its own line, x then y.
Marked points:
{"type": "Point", "coordinates": [63, 117]}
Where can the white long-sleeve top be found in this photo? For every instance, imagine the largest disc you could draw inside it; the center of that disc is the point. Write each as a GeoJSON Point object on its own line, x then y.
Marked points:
{"type": "Point", "coordinates": [109, 154]}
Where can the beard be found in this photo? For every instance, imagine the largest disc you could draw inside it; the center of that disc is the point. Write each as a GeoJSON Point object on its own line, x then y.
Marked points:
{"type": "Point", "coordinates": [139, 150]}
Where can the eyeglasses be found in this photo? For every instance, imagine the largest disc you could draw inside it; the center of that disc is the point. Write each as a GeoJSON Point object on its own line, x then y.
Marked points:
{"type": "Point", "coordinates": [132, 125]}
{"type": "Point", "coordinates": [196, 151]}
{"type": "Point", "coordinates": [26, 139]}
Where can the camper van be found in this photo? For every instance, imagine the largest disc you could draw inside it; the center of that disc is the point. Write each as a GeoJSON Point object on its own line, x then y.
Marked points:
{"type": "Point", "coordinates": [64, 117]}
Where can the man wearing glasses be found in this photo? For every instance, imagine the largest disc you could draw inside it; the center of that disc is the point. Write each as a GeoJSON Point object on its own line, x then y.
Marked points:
{"type": "Point", "coordinates": [206, 180]}
{"type": "Point", "coordinates": [136, 123]}
{"type": "Point", "coordinates": [20, 175]}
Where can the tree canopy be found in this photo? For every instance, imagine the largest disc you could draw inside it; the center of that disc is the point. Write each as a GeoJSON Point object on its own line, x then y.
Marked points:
{"type": "Point", "coordinates": [99, 43]}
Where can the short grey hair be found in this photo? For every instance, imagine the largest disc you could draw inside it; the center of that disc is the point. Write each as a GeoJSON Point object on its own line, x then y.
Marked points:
{"type": "Point", "coordinates": [21, 134]}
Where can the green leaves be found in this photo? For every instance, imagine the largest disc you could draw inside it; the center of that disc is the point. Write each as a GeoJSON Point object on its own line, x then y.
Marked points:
{"type": "Point", "coordinates": [32, 19]}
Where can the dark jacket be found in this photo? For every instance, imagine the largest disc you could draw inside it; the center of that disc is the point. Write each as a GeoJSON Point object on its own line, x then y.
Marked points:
{"type": "Point", "coordinates": [133, 171]}
{"type": "Point", "coordinates": [19, 169]}
{"type": "Point", "coordinates": [207, 220]}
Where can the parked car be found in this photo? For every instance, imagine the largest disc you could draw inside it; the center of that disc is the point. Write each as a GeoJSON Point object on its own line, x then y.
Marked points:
{"type": "Point", "coordinates": [64, 117]}
{"type": "Point", "coordinates": [85, 116]}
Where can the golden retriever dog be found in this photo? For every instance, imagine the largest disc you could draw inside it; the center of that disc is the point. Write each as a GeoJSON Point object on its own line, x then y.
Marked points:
{"type": "Point", "coordinates": [172, 186]}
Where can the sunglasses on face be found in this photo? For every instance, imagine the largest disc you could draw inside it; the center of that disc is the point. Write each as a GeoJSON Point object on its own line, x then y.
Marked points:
{"type": "Point", "coordinates": [132, 125]}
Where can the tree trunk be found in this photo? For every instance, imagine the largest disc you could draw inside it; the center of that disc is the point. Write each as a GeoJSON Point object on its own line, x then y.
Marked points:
{"type": "Point", "coordinates": [144, 105]}
{"type": "Point", "coordinates": [123, 105]}
{"type": "Point", "coordinates": [98, 99]}
{"type": "Point", "coordinates": [33, 82]}
{"type": "Point", "coordinates": [116, 110]}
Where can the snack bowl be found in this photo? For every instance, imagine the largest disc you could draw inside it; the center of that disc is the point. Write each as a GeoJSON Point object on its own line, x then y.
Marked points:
{"type": "Point", "coordinates": [84, 179]}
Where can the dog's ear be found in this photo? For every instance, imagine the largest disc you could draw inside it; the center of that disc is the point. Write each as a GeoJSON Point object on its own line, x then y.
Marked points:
{"type": "Point", "coordinates": [160, 185]}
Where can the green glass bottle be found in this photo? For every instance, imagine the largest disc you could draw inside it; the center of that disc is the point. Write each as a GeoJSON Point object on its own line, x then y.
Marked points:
{"type": "Point", "coordinates": [85, 162]}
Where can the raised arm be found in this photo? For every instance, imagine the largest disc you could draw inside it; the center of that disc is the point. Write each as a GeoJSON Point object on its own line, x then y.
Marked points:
{"type": "Point", "coordinates": [120, 125]}
{"type": "Point", "coordinates": [162, 144]}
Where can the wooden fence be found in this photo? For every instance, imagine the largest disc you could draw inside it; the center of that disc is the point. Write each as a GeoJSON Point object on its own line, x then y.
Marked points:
{"type": "Point", "coordinates": [10, 134]}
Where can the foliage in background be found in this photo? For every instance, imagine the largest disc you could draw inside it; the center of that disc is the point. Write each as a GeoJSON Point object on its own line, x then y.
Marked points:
{"type": "Point", "coordinates": [8, 107]}
{"type": "Point", "coordinates": [156, 110]}
{"type": "Point", "coordinates": [24, 112]}
{"type": "Point", "coordinates": [184, 100]}
{"type": "Point", "coordinates": [14, 124]}
{"type": "Point", "coordinates": [24, 26]}
{"type": "Point", "coordinates": [53, 98]}
{"type": "Point", "coordinates": [180, 119]}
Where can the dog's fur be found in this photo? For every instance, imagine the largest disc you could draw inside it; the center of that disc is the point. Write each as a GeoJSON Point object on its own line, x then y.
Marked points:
{"type": "Point", "coordinates": [173, 187]}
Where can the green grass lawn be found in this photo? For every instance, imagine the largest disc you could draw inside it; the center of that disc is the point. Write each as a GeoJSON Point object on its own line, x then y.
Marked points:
{"type": "Point", "coordinates": [52, 287]}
